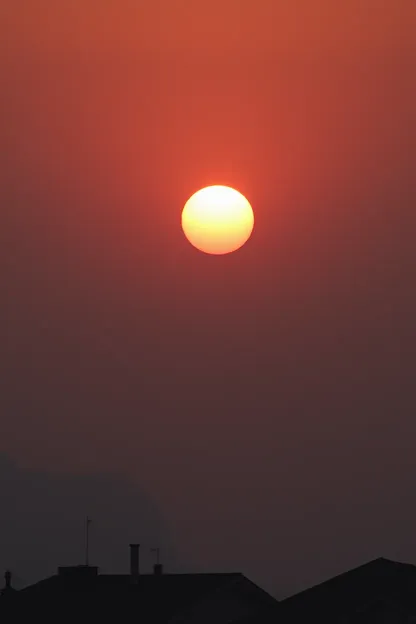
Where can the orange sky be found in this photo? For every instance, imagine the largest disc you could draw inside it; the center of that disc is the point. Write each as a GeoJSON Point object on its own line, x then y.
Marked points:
{"type": "Point", "coordinates": [165, 81]}
{"type": "Point", "coordinates": [163, 27]}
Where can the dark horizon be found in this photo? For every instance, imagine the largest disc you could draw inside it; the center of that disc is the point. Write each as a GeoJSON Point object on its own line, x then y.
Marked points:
{"type": "Point", "coordinates": [256, 410]}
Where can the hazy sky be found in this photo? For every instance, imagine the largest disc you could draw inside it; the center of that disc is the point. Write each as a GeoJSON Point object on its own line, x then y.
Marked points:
{"type": "Point", "coordinates": [263, 401]}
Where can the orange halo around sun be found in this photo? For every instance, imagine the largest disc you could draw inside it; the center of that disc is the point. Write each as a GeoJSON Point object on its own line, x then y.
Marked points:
{"type": "Point", "coordinates": [217, 220]}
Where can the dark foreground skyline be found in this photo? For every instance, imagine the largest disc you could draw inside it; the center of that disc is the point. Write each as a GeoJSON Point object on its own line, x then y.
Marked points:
{"type": "Point", "coordinates": [262, 405]}
{"type": "Point", "coordinates": [376, 591]}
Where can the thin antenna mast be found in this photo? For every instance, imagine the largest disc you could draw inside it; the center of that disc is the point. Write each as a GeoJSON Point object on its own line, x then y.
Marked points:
{"type": "Point", "coordinates": [87, 540]}
{"type": "Point", "coordinates": [157, 551]}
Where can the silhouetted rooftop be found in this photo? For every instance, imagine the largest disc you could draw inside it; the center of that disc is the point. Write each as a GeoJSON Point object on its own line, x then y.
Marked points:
{"type": "Point", "coordinates": [124, 582]}
{"type": "Point", "coordinates": [380, 586]}
{"type": "Point", "coordinates": [158, 596]}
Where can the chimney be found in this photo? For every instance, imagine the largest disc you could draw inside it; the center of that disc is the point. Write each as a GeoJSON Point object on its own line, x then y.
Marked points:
{"type": "Point", "coordinates": [158, 569]}
{"type": "Point", "coordinates": [134, 560]}
{"type": "Point", "coordinates": [7, 589]}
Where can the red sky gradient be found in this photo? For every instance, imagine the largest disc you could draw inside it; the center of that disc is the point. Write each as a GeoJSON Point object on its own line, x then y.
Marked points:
{"type": "Point", "coordinates": [264, 400]}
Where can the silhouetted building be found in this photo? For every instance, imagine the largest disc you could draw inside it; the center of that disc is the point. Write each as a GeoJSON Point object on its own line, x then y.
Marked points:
{"type": "Point", "coordinates": [377, 592]}
{"type": "Point", "coordinates": [7, 589]}
{"type": "Point", "coordinates": [82, 593]}
{"type": "Point", "coordinates": [380, 591]}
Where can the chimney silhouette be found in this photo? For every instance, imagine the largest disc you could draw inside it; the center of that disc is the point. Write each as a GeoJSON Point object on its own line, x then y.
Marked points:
{"type": "Point", "coordinates": [134, 560]}
{"type": "Point", "coordinates": [7, 589]}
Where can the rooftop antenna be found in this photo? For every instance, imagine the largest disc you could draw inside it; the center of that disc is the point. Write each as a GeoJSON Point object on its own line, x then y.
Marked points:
{"type": "Point", "coordinates": [87, 540]}
{"type": "Point", "coordinates": [157, 551]}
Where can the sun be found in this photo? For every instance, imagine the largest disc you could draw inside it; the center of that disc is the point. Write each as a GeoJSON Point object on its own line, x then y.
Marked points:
{"type": "Point", "coordinates": [217, 220]}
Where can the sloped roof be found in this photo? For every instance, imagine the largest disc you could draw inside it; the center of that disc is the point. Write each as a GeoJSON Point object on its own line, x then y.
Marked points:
{"type": "Point", "coordinates": [379, 586]}
{"type": "Point", "coordinates": [157, 598]}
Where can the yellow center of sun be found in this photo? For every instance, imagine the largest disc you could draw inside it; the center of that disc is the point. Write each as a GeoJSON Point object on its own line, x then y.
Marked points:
{"type": "Point", "coordinates": [217, 220]}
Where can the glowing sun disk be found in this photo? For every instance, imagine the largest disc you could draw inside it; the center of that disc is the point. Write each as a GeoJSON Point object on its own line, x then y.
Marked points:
{"type": "Point", "coordinates": [217, 220]}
